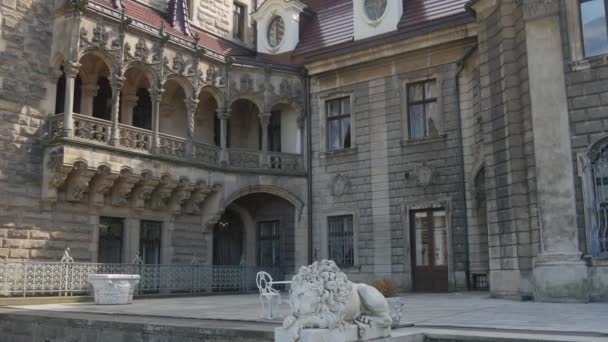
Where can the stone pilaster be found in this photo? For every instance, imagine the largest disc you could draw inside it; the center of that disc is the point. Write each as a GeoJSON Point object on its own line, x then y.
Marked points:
{"type": "Point", "coordinates": [71, 72]}
{"type": "Point", "coordinates": [559, 272]}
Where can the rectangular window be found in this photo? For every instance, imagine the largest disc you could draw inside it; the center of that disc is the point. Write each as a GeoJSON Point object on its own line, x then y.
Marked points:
{"type": "Point", "coordinates": [149, 242]}
{"type": "Point", "coordinates": [422, 109]}
{"type": "Point", "coordinates": [238, 21]}
{"type": "Point", "coordinates": [595, 27]}
{"type": "Point", "coordinates": [340, 239]}
{"type": "Point", "coordinates": [110, 240]}
{"type": "Point", "coordinates": [338, 124]}
{"type": "Point", "coordinates": [269, 244]}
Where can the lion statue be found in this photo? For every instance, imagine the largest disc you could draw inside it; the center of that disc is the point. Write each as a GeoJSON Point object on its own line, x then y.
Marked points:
{"type": "Point", "coordinates": [322, 297]}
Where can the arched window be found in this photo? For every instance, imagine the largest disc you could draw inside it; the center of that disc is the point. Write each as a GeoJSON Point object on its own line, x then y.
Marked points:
{"type": "Point", "coordinates": [102, 103]}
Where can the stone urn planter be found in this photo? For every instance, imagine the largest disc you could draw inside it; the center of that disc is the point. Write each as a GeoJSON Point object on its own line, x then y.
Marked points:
{"type": "Point", "coordinates": [395, 305]}
{"type": "Point", "coordinates": [113, 289]}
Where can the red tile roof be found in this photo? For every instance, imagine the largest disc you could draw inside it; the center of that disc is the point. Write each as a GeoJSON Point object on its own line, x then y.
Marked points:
{"type": "Point", "coordinates": [156, 19]}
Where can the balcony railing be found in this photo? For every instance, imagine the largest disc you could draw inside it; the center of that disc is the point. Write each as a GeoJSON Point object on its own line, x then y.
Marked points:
{"type": "Point", "coordinates": [137, 140]}
{"type": "Point", "coordinates": [27, 279]}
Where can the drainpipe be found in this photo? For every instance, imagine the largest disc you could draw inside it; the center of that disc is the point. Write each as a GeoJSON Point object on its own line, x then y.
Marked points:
{"type": "Point", "coordinates": [461, 64]}
{"type": "Point", "coordinates": [309, 157]}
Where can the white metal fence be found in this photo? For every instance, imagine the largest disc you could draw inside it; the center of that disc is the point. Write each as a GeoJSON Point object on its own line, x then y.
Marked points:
{"type": "Point", "coordinates": [30, 279]}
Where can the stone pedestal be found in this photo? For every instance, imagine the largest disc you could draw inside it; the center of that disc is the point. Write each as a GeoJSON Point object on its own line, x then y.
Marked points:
{"type": "Point", "coordinates": [349, 333]}
{"type": "Point", "coordinates": [113, 289]}
{"type": "Point", "coordinates": [561, 278]}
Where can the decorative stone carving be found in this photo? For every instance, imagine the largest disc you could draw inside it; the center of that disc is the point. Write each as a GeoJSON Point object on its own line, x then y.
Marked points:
{"type": "Point", "coordinates": [424, 175]}
{"type": "Point", "coordinates": [285, 89]}
{"type": "Point", "coordinates": [212, 74]}
{"type": "Point", "coordinates": [326, 306]}
{"type": "Point", "coordinates": [141, 50]}
{"type": "Point", "coordinates": [534, 9]}
{"type": "Point", "coordinates": [247, 84]}
{"type": "Point", "coordinates": [199, 195]}
{"type": "Point", "coordinates": [179, 64]}
{"type": "Point", "coordinates": [340, 186]}
{"type": "Point", "coordinates": [100, 35]}
{"type": "Point", "coordinates": [78, 182]}
{"type": "Point", "coordinates": [143, 190]}
{"type": "Point", "coordinates": [159, 199]}
{"type": "Point", "coordinates": [181, 193]}
{"type": "Point", "coordinates": [58, 174]}
{"type": "Point", "coordinates": [119, 196]}
{"type": "Point", "coordinates": [113, 289]}
{"type": "Point", "coordinates": [101, 184]}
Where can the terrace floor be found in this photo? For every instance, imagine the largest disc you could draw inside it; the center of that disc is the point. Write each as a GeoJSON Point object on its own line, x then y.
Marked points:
{"type": "Point", "coordinates": [456, 311]}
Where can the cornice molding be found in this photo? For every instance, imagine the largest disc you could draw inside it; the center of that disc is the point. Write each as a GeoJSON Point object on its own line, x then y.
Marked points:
{"type": "Point", "coordinates": [535, 9]}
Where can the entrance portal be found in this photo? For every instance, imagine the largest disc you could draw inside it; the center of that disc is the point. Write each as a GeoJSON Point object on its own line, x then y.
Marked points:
{"type": "Point", "coordinates": [429, 250]}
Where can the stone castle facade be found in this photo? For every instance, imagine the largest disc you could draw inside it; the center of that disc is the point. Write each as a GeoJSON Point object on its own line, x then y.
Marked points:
{"type": "Point", "coordinates": [451, 146]}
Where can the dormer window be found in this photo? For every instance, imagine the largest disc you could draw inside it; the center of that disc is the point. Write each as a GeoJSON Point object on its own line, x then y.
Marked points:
{"type": "Point", "coordinates": [374, 9]}
{"type": "Point", "coordinates": [276, 31]}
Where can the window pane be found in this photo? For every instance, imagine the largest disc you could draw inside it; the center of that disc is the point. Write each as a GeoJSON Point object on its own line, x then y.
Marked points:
{"type": "Point", "coordinates": [340, 239]}
{"type": "Point", "coordinates": [595, 31]}
{"type": "Point", "coordinates": [416, 122]}
{"type": "Point", "coordinates": [432, 119]}
{"type": "Point", "coordinates": [334, 139]}
{"type": "Point", "coordinates": [423, 243]}
{"type": "Point", "coordinates": [333, 108]}
{"type": "Point", "coordinates": [149, 242]}
{"type": "Point", "coordinates": [345, 134]}
{"type": "Point", "coordinates": [110, 240]}
{"type": "Point", "coordinates": [415, 92]}
{"type": "Point", "coordinates": [346, 105]}
{"type": "Point", "coordinates": [430, 89]}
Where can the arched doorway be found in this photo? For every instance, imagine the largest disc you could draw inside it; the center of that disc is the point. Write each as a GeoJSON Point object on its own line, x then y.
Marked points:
{"type": "Point", "coordinates": [228, 239]}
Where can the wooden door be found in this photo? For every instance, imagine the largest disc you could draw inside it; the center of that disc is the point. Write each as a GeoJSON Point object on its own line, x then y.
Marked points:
{"type": "Point", "coordinates": [429, 239]}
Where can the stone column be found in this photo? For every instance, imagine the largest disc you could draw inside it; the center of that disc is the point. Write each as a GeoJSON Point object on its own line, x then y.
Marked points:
{"type": "Point", "coordinates": [89, 91]}
{"type": "Point", "coordinates": [559, 272]}
{"type": "Point", "coordinates": [264, 123]}
{"type": "Point", "coordinates": [191, 107]}
{"type": "Point", "coordinates": [156, 95]}
{"type": "Point", "coordinates": [224, 117]}
{"type": "Point", "coordinates": [71, 72]}
{"type": "Point", "coordinates": [116, 84]}
{"type": "Point", "coordinates": [129, 101]}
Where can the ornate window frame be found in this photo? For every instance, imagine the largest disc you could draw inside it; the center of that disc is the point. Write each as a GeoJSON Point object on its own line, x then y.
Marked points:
{"type": "Point", "coordinates": [405, 124]}
{"type": "Point", "coordinates": [377, 21]}
{"type": "Point", "coordinates": [323, 99]}
{"type": "Point", "coordinates": [324, 238]}
{"type": "Point", "coordinates": [585, 172]}
{"type": "Point", "coordinates": [575, 37]}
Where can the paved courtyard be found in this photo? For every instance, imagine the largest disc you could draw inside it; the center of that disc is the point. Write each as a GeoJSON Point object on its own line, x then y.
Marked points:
{"type": "Point", "coordinates": [445, 311]}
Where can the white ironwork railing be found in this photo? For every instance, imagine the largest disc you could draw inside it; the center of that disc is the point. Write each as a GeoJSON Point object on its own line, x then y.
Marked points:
{"type": "Point", "coordinates": [27, 278]}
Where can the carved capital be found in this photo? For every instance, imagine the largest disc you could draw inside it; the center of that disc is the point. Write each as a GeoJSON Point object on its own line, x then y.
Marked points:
{"type": "Point", "coordinates": [223, 115]}
{"type": "Point", "coordinates": [156, 94]}
{"type": "Point", "coordinates": [191, 105]}
{"type": "Point", "coordinates": [265, 119]}
{"type": "Point", "coordinates": [117, 83]}
{"type": "Point", "coordinates": [534, 9]}
{"type": "Point", "coordinates": [71, 69]}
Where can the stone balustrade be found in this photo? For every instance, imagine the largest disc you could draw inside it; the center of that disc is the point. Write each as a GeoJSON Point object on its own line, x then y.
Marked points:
{"type": "Point", "coordinates": [140, 141]}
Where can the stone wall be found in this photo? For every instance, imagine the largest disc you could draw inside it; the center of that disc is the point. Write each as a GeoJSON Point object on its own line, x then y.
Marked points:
{"type": "Point", "coordinates": [381, 170]}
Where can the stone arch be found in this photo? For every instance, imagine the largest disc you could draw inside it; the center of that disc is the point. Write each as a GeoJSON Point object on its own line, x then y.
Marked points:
{"type": "Point", "coordinates": [216, 93]}
{"type": "Point", "coordinates": [183, 82]}
{"type": "Point", "coordinates": [268, 189]}
{"type": "Point", "coordinates": [254, 98]}
{"type": "Point", "coordinates": [108, 59]}
{"type": "Point", "coordinates": [150, 74]}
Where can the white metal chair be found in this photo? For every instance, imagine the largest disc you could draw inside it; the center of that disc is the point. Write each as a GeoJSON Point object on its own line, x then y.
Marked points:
{"type": "Point", "coordinates": [267, 294]}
